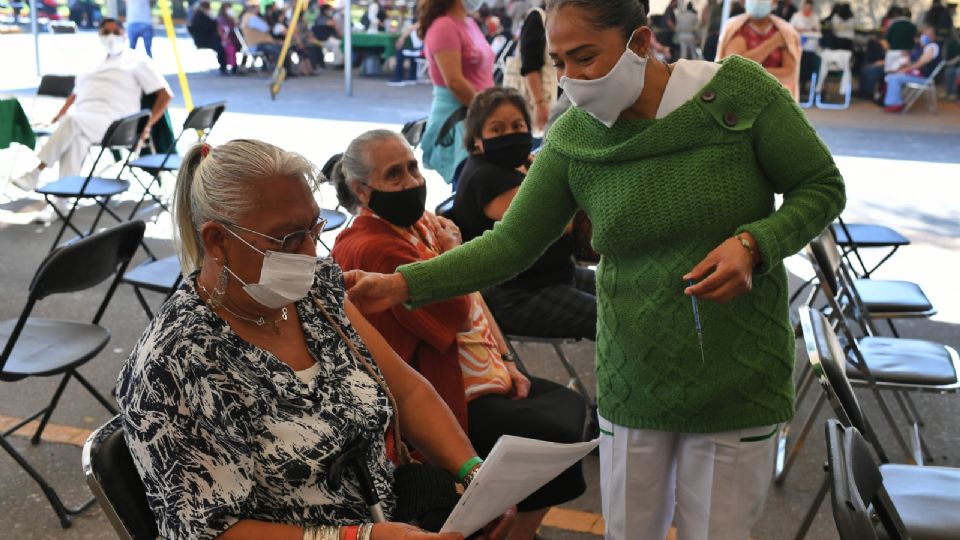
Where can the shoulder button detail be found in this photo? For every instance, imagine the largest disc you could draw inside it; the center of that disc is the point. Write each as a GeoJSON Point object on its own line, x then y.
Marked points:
{"type": "Point", "coordinates": [730, 119]}
{"type": "Point", "coordinates": [708, 97]}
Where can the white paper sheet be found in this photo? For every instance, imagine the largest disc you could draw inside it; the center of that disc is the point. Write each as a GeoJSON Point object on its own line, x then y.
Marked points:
{"type": "Point", "coordinates": [515, 468]}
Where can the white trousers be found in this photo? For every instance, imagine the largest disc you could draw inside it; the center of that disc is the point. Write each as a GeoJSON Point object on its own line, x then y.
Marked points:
{"type": "Point", "coordinates": [712, 485]}
{"type": "Point", "coordinates": [70, 141]}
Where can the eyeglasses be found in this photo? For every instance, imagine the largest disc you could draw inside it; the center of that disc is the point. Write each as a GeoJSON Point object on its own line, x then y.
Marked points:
{"type": "Point", "coordinates": [292, 242]}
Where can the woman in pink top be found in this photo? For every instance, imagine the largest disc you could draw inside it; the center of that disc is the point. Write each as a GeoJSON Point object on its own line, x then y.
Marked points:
{"type": "Point", "coordinates": [461, 64]}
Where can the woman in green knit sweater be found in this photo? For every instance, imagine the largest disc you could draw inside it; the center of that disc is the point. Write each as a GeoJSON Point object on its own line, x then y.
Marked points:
{"type": "Point", "coordinates": [677, 167]}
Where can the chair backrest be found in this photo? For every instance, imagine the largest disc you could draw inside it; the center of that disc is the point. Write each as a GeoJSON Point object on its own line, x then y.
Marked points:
{"type": "Point", "coordinates": [327, 169]}
{"type": "Point", "coordinates": [829, 362]}
{"type": "Point", "coordinates": [125, 132]}
{"type": "Point", "coordinates": [78, 266]}
{"type": "Point", "coordinates": [856, 487]}
{"type": "Point", "coordinates": [115, 482]}
{"type": "Point", "coordinates": [56, 85]}
{"type": "Point", "coordinates": [244, 48]}
{"type": "Point", "coordinates": [88, 261]}
{"type": "Point", "coordinates": [825, 255]}
{"type": "Point", "coordinates": [204, 117]}
{"type": "Point", "coordinates": [413, 131]}
{"type": "Point", "coordinates": [445, 209]}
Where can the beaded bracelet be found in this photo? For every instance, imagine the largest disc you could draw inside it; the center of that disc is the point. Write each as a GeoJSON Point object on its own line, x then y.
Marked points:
{"type": "Point", "coordinates": [467, 467]}
{"type": "Point", "coordinates": [749, 247]}
{"type": "Point", "coordinates": [351, 532]}
{"type": "Point", "coordinates": [470, 477]}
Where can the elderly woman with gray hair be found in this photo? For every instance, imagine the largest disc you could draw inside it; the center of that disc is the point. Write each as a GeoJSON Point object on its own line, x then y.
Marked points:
{"type": "Point", "coordinates": [258, 373]}
{"type": "Point", "coordinates": [455, 344]}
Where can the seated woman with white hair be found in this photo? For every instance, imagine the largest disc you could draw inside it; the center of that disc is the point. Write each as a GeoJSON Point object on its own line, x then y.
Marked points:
{"type": "Point", "coordinates": [258, 373]}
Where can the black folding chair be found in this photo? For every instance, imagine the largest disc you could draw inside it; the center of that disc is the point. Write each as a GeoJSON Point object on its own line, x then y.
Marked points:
{"type": "Point", "coordinates": [914, 483]}
{"type": "Point", "coordinates": [123, 133]}
{"type": "Point", "coordinates": [880, 363]}
{"type": "Point", "coordinates": [413, 131]}
{"type": "Point", "coordinates": [155, 275]}
{"type": "Point", "coordinates": [852, 237]}
{"type": "Point", "coordinates": [861, 299]}
{"type": "Point", "coordinates": [39, 347]}
{"type": "Point", "coordinates": [58, 86]}
{"type": "Point", "coordinates": [857, 488]}
{"type": "Point", "coordinates": [202, 119]}
{"type": "Point", "coordinates": [115, 482]}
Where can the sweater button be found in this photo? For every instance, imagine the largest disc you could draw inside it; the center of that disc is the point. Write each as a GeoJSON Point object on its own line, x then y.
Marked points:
{"type": "Point", "coordinates": [730, 119]}
{"type": "Point", "coordinates": [708, 96]}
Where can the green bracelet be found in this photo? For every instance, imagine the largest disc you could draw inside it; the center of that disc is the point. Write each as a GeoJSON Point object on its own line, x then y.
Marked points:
{"type": "Point", "coordinates": [467, 467]}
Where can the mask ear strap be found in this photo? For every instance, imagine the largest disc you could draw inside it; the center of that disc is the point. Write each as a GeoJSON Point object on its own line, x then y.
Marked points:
{"type": "Point", "coordinates": [249, 245]}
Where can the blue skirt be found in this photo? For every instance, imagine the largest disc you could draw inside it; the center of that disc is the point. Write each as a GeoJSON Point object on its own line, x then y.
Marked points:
{"type": "Point", "coordinates": [437, 157]}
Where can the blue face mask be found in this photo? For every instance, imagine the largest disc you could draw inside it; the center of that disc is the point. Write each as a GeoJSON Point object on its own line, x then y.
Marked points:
{"type": "Point", "coordinates": [473, 5]}
{"type": "Point", "coordinates": [924, 40]}
{"type": "Point", "coordinates": [758, 9]}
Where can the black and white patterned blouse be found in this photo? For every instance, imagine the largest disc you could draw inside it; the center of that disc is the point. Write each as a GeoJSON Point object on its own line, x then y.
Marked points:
{"type": "Point", "coordinates": [222, 431]}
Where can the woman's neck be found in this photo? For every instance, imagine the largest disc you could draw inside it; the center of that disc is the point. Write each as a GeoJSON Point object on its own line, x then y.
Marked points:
{"type": "Point", "coordinates": [761, 24]}
{"type": "Point", "coordinates": [654, 84]}
{"type": "Point", "coordinates": [457, 10]}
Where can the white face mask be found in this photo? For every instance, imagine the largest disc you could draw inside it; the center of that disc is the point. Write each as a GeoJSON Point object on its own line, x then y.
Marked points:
{"type": "Point", "coordinates": [758, 9]}
{"type": "Point", "coordinates": [284, 277]}
{"type": "Point", "coordinates": [605, 98]}
{"type": "Point", "coordinates": [473, 5]}
{"type": "Point", "coordinates": [114, 44]}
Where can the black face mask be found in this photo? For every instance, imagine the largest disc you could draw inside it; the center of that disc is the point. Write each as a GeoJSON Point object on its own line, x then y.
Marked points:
{"type": "Point", "coordinates": [510, 151]}
{"type": "Point", "coordinates": [402, 208]}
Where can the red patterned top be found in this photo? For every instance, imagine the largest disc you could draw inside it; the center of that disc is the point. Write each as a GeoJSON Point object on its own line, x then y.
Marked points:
{"type": "Point", "coordinates": [754, 38]}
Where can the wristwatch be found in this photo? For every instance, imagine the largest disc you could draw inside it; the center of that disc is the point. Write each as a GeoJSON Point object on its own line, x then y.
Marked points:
{"type": "Point", "coordinates": [508, 357]}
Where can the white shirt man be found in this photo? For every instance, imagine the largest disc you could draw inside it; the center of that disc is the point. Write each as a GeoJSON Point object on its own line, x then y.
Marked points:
{"type": "Point", "coordinates": [109, 92]}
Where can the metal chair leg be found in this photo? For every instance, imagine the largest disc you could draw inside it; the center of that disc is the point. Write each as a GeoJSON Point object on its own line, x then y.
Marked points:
{"type": "Point", "coordinates": [913, 409]}
{"type": "Point", "coordinates": [892, 423]}
{"type": "Point", "coordinates": [48, 411]}
{"type": "Point", "coordinates": [63, 512]}
{"type": "Point", "coordinates": [812, 511]}
{"type": "Point", "coordinates": [96, 393]}
{"type": "Point", "coordinates": [925, 455]}
{"type": "Point", "coordinates": [801, 439]}
{"type": "Point", "coordinates": [143, 302]}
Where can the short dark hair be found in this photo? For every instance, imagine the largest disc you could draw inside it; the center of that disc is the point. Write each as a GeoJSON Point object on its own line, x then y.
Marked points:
{"type": "Point", "coordinates": [627, 15]}
{"type": "Point", "coordinates": [483, 104]}
{"type": "Point", "coordinates": [107, 20]}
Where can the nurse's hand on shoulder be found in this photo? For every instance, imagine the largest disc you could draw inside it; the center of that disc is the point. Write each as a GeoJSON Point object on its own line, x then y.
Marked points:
{"type": "Point", "coordinates": [724, 274]}
{"type": "Point", "coordinates": [373, 293]}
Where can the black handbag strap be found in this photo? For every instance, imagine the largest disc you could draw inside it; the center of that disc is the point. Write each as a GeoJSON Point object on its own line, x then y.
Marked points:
{"type": "Point", "coordinates": [445, 136]}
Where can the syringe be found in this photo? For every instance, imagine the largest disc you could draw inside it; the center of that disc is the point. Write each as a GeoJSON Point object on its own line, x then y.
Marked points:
{"type": "Point", "coordinates": [696, 321]}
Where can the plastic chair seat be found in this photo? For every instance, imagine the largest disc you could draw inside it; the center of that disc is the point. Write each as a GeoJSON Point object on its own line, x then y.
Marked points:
{"type": "Point", "coordinates": [155, 162]}
{"type": "Point", "coordinates": [48, 346]}
{"type": "Point", "coordinates": [335, 219]}
{"type": "Point", "coordinates": [927, 499]}
{"type": "Point", "coordinates": [70, 186]}
{"type": "Point", "coordinates": [905, 361]}
{"type": "Point", "coordinates": [888, 296]}
{"type": "Point", "coordinates": [866, 235]}
{"type": "Point", "coordinates": [159, 276]}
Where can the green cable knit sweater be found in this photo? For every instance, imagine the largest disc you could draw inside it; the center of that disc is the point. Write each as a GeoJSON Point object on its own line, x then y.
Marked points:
{"type": "Point", "coordinates": [661, 195]}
